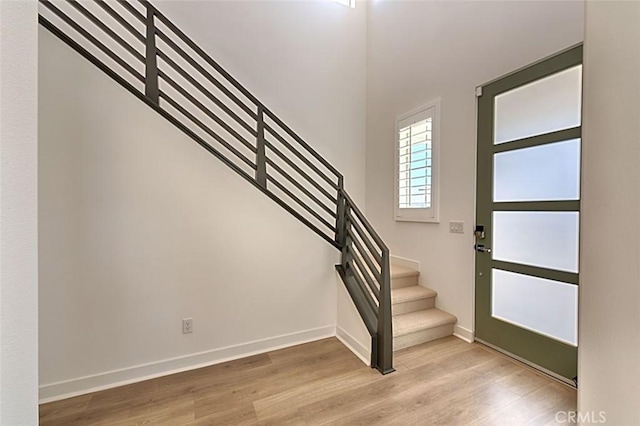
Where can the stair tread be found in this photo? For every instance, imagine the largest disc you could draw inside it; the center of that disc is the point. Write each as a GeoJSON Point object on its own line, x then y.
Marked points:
{"type": "Point", "coordinates": [401, 271]}
{"type": "Point", "coordinates": [421, 320]}
{"type": "Point", "coordinates": [408, 294]}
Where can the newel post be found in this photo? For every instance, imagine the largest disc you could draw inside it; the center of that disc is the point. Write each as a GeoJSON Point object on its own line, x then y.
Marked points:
{"type": "Point", "coordinates": [385, 332]}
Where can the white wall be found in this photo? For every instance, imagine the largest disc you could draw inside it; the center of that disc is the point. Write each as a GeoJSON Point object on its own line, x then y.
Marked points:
{"type": "Point", "coordinates": [18, 214]}
{"type": "Point", "coordinates": [419, 51]}
{"type": "Point", "coordinates": [140, 227]}
{"type": "Point", "coordinates": [608, 369]}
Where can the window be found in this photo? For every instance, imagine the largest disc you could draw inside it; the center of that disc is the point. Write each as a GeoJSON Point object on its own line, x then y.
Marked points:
{"type": "Point", "coordinates": [350, 3]}
{"type": "Point", "coordinates": [416, 189]}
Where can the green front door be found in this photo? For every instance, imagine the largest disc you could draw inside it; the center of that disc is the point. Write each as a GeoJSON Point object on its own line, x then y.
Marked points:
{"type": "Point", "coordinates": [528, 211]}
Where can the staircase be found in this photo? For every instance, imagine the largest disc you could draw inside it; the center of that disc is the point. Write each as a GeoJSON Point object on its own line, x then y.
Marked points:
{"type": "Point", "coordinates": [416, 320]}
{"type": "Point", "coordinates": [147, 54]}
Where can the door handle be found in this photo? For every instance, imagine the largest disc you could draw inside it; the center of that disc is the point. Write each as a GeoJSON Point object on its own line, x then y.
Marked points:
{"type": "Point", "coordinates": [481, 248]}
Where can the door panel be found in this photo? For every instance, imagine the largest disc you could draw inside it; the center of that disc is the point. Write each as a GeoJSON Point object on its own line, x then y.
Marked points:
{"type": "Point", "coordinates": [545, 105]}
{"type": "Point", "coordinates": [528, 202]}
{"type": "Point", "coordinates": [517, 177]}
{"type": "Point", "coordinates": [545, 239]}
{"type": "Point", "coordinates": [537, 304]}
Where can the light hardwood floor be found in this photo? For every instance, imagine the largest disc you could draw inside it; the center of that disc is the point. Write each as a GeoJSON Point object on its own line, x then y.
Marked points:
{"type": "Point", "coordinates": [444, 382]}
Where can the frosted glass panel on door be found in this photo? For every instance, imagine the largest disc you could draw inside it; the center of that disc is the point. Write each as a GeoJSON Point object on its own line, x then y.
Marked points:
{"type": "Point", "coordinates": [544, 239]}
{"type": "Point", "coordinates": [546, 105]}
{"type": "Point", "coordinates": [537, 304]}
{"type": "Point", "coordinates": [541, 173]}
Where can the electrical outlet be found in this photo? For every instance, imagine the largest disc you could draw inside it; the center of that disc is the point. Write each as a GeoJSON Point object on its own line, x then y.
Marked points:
{"type": "Point", "coordinates": [187, 325]}
{"type": "Point", "coordinates": [456, 227]}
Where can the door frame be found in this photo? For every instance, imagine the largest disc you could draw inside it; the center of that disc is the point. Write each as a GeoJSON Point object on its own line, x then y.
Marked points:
{"type": "Point", "coordinates": [532, 342]}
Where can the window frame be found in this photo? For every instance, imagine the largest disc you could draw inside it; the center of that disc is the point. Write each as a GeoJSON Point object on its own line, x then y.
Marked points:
{"type": "Point", "coordinates": [427, 214]}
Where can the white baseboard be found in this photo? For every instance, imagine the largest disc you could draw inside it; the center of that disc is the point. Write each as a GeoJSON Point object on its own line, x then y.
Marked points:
{"type": "Point", "coordinates": [96, 382]}
{"type": "Point", "coordinates": [405, 262]}
{"type": "Point", "coordinates": [354, 346]}
{"type": "Point", "coordinates": [463, 333]}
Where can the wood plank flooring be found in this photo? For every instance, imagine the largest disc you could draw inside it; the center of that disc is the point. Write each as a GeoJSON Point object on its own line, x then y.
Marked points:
{"type": "Point", "coordinates": [444, 382]}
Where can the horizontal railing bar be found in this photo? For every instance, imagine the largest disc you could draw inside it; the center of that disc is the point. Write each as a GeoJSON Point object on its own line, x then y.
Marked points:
{"type": "Point", "coordinates": [132, 10]}
{"type": "Point", "coordinates": [182, 36]}
{"type": "Point", "coordinates": [297, 184]}
{"type": "Point", "coordinates": [301, 156]}
{"type": "Point", "coordinates": [205, 73]}
{"type": "Point", "coordinates": [205, 128]}
{"type": "Point", "coordinates": [91, 17]}
{"type": "Point", "coordinates": [366, 258]}
{"type": "Point", "coordinates": [300, 202]}
{"type": "Point", "coordinates": [92, 39]}
{"type": "Point", "coordinates": [372, 285]}
{"type": "Point", "coordinates": [300, 171]}
{"type": "Point", "coordinates": [363, 286]}
{"type": "Point", "coordinates": [115, 15]}
{"type": "Point", "coordinates": [206, 110]}
{"type": "Point", "coordinates": [298, 139]}
{"type": "Point", "coordinates": [367, 241]}
{"type": "Point", "coordinates": [364, 221]}
{"type": "Point", "coordinates": [206, 92]}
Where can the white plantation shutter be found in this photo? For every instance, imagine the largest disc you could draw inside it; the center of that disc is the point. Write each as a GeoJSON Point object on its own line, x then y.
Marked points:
{"type": "Point", "coordinates": [416, 142]}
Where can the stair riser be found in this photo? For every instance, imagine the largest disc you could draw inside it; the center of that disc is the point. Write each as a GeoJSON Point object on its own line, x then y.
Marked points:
{"type": "Point", "coordinates": [413, 305]}
{"type": "Point", "coordinates": [404, 281]}
{"type": "Point", "coordinates": [422, 336]}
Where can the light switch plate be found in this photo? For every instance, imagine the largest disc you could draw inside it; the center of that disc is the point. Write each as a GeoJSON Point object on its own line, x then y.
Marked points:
{"type": "Point", "coordinates": [456, 227]}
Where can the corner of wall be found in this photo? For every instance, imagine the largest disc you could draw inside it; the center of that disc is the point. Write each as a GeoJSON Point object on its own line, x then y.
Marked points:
{"type": "Point", "coordinates": [18, 213]}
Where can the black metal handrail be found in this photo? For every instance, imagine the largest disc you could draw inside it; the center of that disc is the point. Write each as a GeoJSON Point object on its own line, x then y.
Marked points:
{"type": "Point", "coordinates": [365, 270]}
{"type": "Point", "coordinates": [245, 135]}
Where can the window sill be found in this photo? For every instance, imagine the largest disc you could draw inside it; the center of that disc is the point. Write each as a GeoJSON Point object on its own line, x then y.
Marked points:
{"type": "Point", "coordinates": [419, 220]}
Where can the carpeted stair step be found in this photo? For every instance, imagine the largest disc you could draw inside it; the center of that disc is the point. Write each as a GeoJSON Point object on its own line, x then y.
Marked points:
{"type": "Point", "coordinates": [403, 277]}
{"type": "Point", "coordinates": [411, 299]}
{"type": "Point", "coordinates": [422, 326]}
